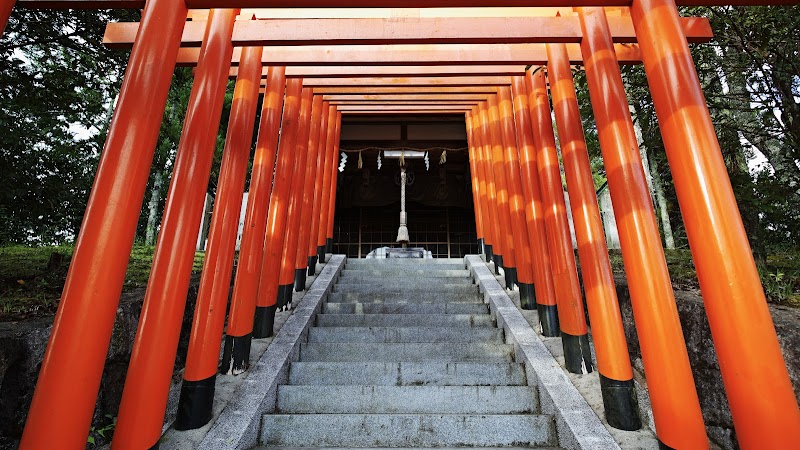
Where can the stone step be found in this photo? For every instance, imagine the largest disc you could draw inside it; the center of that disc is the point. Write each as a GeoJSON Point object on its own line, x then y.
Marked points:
{"type": "Point", "coordinates": [406, 308]}
{"type": "Point", "coordinates": [405, 320]}
{"type": "Point", "coordinates": [407, 373]}
{"type": "Point", "coordinates": [400, 430]}
{"type": "Point", "coordinates": [405, 334]}
{"type": "Point", "coordinates": [413, 290]}
{"type": "Point", "coordinates": [404, 272]}
{"type": "Point", "coordinates": [273, 447]}
{"type": "Point", "coordinates": [363, 262]}
{"type": "Point", "coordinates": [407, 399]}
{"type": "Point", "coordinates": [444, 352]}
{"type": "Point", "coordinates": [410, 282]}
{"type": "Point", "coordinates": [402, 297]}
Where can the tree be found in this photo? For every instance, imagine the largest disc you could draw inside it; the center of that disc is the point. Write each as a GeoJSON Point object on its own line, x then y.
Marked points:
{"type": "Point", "coordinates": [57, 85]}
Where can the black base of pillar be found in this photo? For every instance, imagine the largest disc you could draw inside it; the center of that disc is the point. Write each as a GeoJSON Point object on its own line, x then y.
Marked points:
{"type": "Point", "coordinates": [548, 317]}
{"type": "Point", "coordinates": [312, 265]}
{"type": "Point", "coordinates": [577, 355]}
{"type": "Point", "coordinates": [300, 280]}
{"type": "Point", "coordinates": [195, 404]}
{"type": "Point", "coordinates": [155, 447]}
{"type": "Point", "coordinates": [321, 253]}
{"type": "Point", "coordinates": [284, 296]}
{"type": "Point", "coordinates": [329, 245]}
{"type": "Point", "coordinates": [621, 404]}
{"type": "Point", "coordinates": [487, 249]}
{"type": "Point", "coordinates": [511, 277]}
{"type": "Point", "coordinates": [264, 323]}
{"type": "Point", "coordinates": [236, 354]}
{"type": "Point", "coordinates": [527, 297]}
{"type": "Point", "coordinates": [498, 263]}
{"type": "Point", "coordinates": [480, 246]}
{"type": "Point", "coordinates": [663, 446]}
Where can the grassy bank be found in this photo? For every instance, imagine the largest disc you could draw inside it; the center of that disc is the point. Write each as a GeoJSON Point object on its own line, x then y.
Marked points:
{"type": "Point", "coordinates": [31, 279]}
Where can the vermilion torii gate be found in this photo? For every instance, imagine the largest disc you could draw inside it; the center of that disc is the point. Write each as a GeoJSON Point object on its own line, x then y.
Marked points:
{"type": "Point", "coordinates": [520, 210]}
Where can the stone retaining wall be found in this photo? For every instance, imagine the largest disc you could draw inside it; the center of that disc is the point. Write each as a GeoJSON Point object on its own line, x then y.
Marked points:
{"type": "Point", "coordinates": [22, 346]}
{"type": "Point", "coordinates": [703, 357]}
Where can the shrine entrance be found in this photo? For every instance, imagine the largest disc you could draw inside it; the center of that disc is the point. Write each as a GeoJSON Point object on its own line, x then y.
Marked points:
{"type": "Point", "coordinates": [438, 189]}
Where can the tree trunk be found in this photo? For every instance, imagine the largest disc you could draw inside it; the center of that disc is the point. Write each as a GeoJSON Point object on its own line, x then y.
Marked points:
{"type": "Point", "coordinates": [661, 201]}
{"type": "Point", "coordinates": [155, 198]}
{"type": "Point", "coordinates": [654, 183]}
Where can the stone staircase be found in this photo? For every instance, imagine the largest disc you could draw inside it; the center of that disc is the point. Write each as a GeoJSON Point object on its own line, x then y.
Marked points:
{"type": "Point", "coordinates": [406, 354]}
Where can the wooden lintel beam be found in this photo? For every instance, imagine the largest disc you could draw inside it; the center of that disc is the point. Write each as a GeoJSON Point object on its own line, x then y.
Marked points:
{"type": "Point", "coordinates": [204, 4]}
{"type": "Point", "coordinates": [405, 102]}
{"type": "Point", "coordinates": [405, 97]}
{"type": "Point", "coordinates": [395, 113]}
{"type": "Point", "coordinates": [403, 107]}
{"type": "Point", "coordinates": [406, 81]}
{"type": "Point", "coordinates": [413, 55]}
{"type": "Point", "coordinates": [406, 30]}
{"type": "Point", "coordinates": [405, 90]}
{"type": "Point", "coordinates": [393, 71]}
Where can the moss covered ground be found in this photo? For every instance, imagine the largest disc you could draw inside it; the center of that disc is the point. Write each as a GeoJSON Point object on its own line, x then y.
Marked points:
{"type": "Point", "coordinates": [31, 278]}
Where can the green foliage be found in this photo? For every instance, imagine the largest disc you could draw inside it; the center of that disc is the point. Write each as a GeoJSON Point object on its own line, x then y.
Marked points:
{"type": "Point", "coordinates": [99, 435]}
{"type": "Point", "coordinates": [57, 83]}
{"type": "Point", "coordinates": [31, 278]}
{"type": "Point", "coordinates": [780, 274]}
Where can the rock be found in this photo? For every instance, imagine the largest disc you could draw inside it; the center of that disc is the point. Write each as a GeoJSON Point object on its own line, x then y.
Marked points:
{"type": "Point", "coordinates": [703, 357]}
{"type": "Point", "coordinates": [22, 346]}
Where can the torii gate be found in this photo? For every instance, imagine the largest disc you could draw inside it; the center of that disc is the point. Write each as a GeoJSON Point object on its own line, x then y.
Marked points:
{"type": "Point", "coordinates": [520, 210]}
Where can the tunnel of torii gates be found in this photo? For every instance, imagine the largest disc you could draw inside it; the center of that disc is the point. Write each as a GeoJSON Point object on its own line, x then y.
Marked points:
{"type": "Point", "coordinates": [312, 71]}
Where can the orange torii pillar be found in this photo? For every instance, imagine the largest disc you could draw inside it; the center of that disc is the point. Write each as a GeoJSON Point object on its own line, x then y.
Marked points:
{"type": "Point", "coordinates": [5, 11]}
{"type": "Point", "coordinates": [286, 278]}
{"type": "Point", "coordinates": [66, 391]}
{"type": "Point", "coordinates": [268, 295]}
{"type": "Point", "coordinates": [498, 246]}
{"type": "Point", "coordinates": [522, 248]}
{"type": "Point", "coordinates": [332, 206]}
{"type": "Point", "coordinates": [302, 257]}
{"type": "Point", "coordinates": [534, 212]}
{"type": "Point", "coordinates": [323, 157]}
{"type": "Point", "coordinates": [498, 163]}
{"type": "Point", "coordinates": [483, 199]}
{"type": "Point", "coordinates": [611, 348]}
{"type": "Point", "coordinates": [144, 398]}
{"type": "Point", "coordinates": [571, 317]}
{"type": "Point", "coordinates": [236, 351]}
{"type": "Point", "coordinates": [676, 409]}
{"type": "Point", "coordinates": [475, 181]}
{"type": "Point", "coordinates": [202, 359]}
{"type": "Point", "coordinates": [760, 395]}
{"type": "Point", "coordinates": [327, 183]}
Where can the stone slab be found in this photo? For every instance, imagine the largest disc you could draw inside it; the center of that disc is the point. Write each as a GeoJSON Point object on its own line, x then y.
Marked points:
{"type": "Point", "coordinates": [366, 399]}
{"type": "Point", "coordinates": [342, 352]}
{"type": "Point", "coordinates": [406, 308]}
{"type": "Point", "coordinates": [408, 373]}
{"type": "Point", "coordinates": [405, 320]}
{"type": "Point", "coordinates": [404, 272]}
{"type": "Point", "coordinates": [405, 334]}
{"type": "Point", "coordinates": [399, 430]}
{"type": "Point", "coordinates": [403, 297]}
{"type": "Point", "coordinates": [443, 289]}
